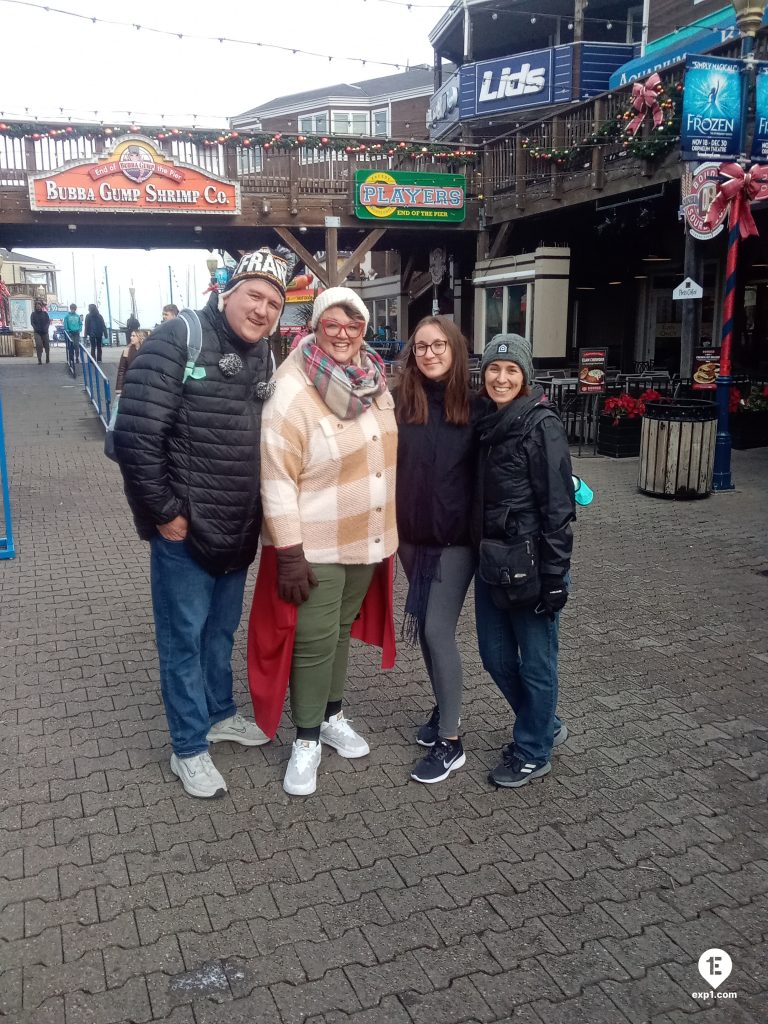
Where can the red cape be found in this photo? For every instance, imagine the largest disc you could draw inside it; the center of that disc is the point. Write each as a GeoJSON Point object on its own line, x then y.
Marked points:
{"type": "Point", "coordinates": [272, 630]}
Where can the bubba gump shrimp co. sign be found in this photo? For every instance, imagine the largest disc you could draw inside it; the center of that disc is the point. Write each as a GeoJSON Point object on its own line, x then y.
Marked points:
{"type": "Point", "coordinates": [133, 178]}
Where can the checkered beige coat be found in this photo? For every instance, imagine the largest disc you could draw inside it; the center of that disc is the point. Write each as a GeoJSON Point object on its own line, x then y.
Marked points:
{"type": "Point", "coordinates": [327, 483]}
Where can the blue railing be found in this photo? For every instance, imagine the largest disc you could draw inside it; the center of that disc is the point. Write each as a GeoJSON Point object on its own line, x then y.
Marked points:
{"type": "Point", "coordinates": [71, 353]}
{"type": "Point", "coordinates": [7, 548]}
{"type": "Point", "coordinates": [97, 385]}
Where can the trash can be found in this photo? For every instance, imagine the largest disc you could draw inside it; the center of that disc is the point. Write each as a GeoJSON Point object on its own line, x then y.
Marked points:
{"type": "Point", "coordinates": [677, 448]}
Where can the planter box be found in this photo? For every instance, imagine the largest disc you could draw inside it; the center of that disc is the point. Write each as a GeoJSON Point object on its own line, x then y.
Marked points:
{"type": "Point", "coordinates": [749, 430]}
{"type": "Point", "coordinates": [24, 344]}
{"type": "Point", "coordinates": [620, 440]}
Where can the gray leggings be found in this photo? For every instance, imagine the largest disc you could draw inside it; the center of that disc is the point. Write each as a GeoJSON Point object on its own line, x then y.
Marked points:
{"type": "Point", "coordinates": [438, 637]}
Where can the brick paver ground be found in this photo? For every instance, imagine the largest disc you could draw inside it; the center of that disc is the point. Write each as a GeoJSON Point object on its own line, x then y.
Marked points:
{"type": "Point", "coordinates": [588, 896]}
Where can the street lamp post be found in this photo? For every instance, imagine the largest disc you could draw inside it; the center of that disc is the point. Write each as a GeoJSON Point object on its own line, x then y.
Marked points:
{"type": "Point", "coordinates": [749, 18]}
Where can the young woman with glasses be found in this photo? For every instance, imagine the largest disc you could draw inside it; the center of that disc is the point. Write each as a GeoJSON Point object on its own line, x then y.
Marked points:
{"type": "Point", "coordinates": [328, 451]}
{"type": "Point", "coordinates": [435, 471]}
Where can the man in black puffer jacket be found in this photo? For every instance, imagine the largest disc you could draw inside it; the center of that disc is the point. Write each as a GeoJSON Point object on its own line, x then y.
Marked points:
{"type": "Point", "coordinates": [187, 440]}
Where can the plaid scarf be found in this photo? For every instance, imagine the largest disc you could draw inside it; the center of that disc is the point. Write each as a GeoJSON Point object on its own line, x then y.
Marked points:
{"type": "Point", "coordinates": [347, 390]}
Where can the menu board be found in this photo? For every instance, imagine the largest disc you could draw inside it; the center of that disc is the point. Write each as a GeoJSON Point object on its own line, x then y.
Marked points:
{"type": "Point", "coordinates": [592, 363]}
{"type": "Point", "coordinates": [706, 369]}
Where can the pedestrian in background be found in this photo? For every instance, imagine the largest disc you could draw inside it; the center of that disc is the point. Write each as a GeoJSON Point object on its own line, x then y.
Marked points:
{"type": "Point", "coordinates": [436, 456]}
{"type": "Point", "coordinates": [522, 525]}
{"type": "Point", "coordinates": [137, 339]}
{"type": "Point", "coordinates": [94, 330]}
{"type": "Point", "coordinates": [131, 324]}
{"type": "Point", "coordinates": [41, 325]}
{"type": "Point", "coordinates": [328, 450]}
{"type": "Point", "coordinates": [170, 311]}
{"type": "Point", "coordinates": [73, 325]}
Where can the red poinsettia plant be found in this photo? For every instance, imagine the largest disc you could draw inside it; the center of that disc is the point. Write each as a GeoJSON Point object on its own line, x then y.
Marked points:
{"type": "Point", "coordinates": [620, 407]}
{"type": "Point", "coordinates": [755, 401]}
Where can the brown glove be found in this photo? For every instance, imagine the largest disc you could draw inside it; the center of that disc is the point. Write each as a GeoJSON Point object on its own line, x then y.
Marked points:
{"type": "Point", "coordinates": [294, 575]}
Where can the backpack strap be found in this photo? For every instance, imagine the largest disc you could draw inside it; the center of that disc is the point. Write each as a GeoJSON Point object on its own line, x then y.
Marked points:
{"type": "Point", "coordinates": [194, 341]}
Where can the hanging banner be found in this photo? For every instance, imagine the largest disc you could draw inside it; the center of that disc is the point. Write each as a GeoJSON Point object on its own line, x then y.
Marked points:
{"type": "Point", "coordinates": [711, 126]}
{"type": "Point", "coordinates": [760, 138]}
{"type": "Point", "coordinates": [134, 177]}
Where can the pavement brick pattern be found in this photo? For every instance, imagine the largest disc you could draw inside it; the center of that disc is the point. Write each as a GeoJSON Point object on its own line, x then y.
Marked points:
{"type": "Point", "coordinates": [587, 896]}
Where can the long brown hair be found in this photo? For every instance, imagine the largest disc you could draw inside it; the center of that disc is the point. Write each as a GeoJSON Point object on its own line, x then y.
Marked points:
{"type": "Point", "coordinates": [411, 397]}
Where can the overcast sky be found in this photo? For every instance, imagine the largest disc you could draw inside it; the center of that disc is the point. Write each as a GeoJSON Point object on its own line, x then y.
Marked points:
{"type": "Point", "coordinates": [50, 61]}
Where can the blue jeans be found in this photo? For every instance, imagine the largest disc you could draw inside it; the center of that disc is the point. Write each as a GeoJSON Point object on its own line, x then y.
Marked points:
{"type": "Point", "coordinates": [196, 616]}
{"type": "Point", "coordinates": [519, 651]}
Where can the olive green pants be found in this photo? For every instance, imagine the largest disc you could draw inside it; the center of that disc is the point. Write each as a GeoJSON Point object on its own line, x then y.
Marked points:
{"type": "Point", "coordinates": [321, 648]}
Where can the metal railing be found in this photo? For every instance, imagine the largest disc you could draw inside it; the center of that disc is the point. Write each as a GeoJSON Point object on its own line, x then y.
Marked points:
{"type": "Point", "coordinates": [7, 546]}
{"type": "Point", "coordinates": [96, 384]}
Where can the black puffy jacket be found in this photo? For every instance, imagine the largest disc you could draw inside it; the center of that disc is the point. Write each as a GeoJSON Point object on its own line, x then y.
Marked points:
{"type": "Point", "coordinates": [192, 448]}
{"type": "Point", "coordinates": [524, 479]}
{"type": "Point", "coordinates": [435, 475]}
{"type": "Point", "coordinates": [41, 322]}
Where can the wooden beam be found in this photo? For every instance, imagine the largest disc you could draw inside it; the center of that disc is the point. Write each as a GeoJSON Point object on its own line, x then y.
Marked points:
{"type": "Point", "coordinates": [499, 240]}
{"type": "Point", "coordinates": [332, 256]}
{"type": "Point", "coordinates": [362, 250]}
{"type": "Point", "coordinates": [405, 276]}
{"type": "Point", "coordinates": [309, 260]}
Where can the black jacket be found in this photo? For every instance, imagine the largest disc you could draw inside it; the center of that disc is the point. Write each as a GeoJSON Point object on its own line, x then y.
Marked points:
{"type": "Point", "coordinates": [524, 479]}
{"type": "Point", "coordinates": [94, 326]}
{"type": "Point", "coordinates": [40, 321]}
{"type": "Point", "coordinates": [435, 475]}
{"type": "Point", "coordinates": [192, 448]}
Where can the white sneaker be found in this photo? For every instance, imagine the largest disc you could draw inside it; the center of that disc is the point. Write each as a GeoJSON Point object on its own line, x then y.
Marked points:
{"type": "Point", "coordinates": [199, 775]}
{"type": "Point", "coordinates": [237, 730]}
{"type": "Point", "coordinates": [301, 773]}
{"type": "Point", "coordinates": [339, 734]}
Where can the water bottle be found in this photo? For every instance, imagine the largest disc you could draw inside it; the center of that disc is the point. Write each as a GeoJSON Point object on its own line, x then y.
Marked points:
{"type": "Point", "coordinates": [581, 492]}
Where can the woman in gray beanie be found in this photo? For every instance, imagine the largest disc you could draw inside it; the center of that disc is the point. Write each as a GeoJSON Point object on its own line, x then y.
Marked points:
{"type": "Point", "coordinates": [524, 508]}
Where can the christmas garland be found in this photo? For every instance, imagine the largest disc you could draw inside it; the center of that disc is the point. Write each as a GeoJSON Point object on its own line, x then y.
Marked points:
{"type": "Point", "coordinates": [655, 145]}
{"type": "Point", "coordinates": [277, 142]}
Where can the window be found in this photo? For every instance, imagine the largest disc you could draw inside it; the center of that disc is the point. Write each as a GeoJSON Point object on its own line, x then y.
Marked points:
{"type": "Point", "coordinates": [508, 310]}
{"type": "Point", "coordinates": [380, 122]}
{"type": "Point", "coordinates": [313, 124]}
{"type": "Point", "coordinates": [349, 122]}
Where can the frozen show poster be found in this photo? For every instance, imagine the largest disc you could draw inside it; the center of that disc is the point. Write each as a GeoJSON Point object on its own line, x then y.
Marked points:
{"type": "Point", "coordinates": [711, 126]}
{"type": "Point", "coordinates": [760, 138]}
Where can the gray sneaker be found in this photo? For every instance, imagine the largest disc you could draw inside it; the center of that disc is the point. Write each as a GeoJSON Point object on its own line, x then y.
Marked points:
{"type": "Point", "coordinates": [301, 773]}
{"type": "Point", "coordinates": [339, 734]}
{"type": "Point", "coordinates": [199, 775]}
{"type": "Point", "coordinates": [561, 735]}
{"type": "Point", "coordinates": [237, 729]}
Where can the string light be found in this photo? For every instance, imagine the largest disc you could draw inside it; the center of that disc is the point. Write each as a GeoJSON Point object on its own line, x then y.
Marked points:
{"type": "Point", "coordinates": [200, 38]}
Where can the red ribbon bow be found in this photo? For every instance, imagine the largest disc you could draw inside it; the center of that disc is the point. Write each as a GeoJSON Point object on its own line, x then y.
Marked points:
{"type": "Point", "coordinates": [645, 97]}
{"type": "Point", "coordinates": [735, 190]}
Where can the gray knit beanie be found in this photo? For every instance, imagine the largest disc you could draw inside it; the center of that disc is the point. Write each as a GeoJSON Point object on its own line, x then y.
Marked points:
{"type": "Point", "coordinates": [513, 349]}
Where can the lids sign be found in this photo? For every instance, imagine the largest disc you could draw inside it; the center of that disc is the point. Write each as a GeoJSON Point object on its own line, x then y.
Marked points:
{"type": "Point", "coordinates": [699, 188]}
{"type": "Point", "coordinates": [133, 178]}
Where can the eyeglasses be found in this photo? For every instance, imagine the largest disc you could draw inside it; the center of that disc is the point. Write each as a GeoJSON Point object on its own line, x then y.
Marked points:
{"type": "Point", "coordinates": [437, 348]}
{"type": "Point", "coordinates": [351, 330]}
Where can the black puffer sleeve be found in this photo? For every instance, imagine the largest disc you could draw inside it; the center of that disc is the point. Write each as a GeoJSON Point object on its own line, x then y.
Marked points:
{"type": "Point", "coordinates": [550, 472]}
{"type": "Point", "coordinates": [148, 409]}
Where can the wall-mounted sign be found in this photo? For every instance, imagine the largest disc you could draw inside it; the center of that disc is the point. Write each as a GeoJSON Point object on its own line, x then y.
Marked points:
{"type": "Point", "coordinates": [506, 83]}
{"type": "Point", "coordinates": [133, 177]}
{"type": "Point", "coordinates": [760, 138]}
{"type": "Point", "coordinates": [688, 289]}
{"type": "Point", "coordinates": [592, 364]}
{"type": "Point", "coordinates": [698, 189]}
{"type": "Point", "coordinates": [21, 311]}
{"type": "Point", "coordinates": [711, 125]}
{"type": "Point", "coordinates": [409, 196]}
{"type": "Point", "coordinates": [443, 109]}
